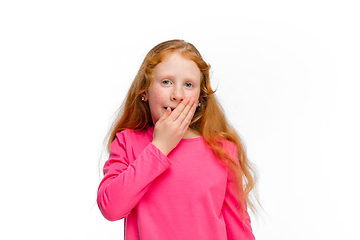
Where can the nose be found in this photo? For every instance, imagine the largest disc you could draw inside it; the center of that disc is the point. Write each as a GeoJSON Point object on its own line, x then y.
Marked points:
{"type": "Point", "coordinates": [177, 94]}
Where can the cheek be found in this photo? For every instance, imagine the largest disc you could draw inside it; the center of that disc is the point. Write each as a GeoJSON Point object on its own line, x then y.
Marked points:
{"type": "Point", "coordinates": [158, 96]}
{"type": "Point", "coordinates": [194, 95]}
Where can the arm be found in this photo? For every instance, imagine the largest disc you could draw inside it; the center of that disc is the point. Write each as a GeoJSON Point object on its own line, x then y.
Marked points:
{"type": "Point", "coordinates": [237, 227]}
{"type": "Point", "coordinates": [125, 183]}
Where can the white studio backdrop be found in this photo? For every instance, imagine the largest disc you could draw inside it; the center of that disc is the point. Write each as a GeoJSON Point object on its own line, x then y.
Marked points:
{"type": "Point", "coordinates": [286, 74]}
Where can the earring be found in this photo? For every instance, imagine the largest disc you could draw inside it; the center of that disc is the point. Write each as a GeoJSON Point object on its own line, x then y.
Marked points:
{"type": "Point", "coordinates": [199, 104]}
{"type": "Point", "coordinates": [143, 98]}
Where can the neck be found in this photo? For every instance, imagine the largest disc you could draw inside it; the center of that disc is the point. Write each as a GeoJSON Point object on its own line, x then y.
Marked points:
{"type": "Point", "coordinates": [191, 134]}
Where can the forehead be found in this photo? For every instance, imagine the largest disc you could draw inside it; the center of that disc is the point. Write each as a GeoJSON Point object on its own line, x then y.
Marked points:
{"type": "Point", "coordinates": [177, 64]}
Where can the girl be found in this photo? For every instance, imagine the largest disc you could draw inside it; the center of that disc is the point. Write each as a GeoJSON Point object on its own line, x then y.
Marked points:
{"type": "Point", "coordinates": [176, 169]}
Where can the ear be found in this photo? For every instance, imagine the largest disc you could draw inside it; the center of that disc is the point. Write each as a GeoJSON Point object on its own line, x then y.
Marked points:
{"type": "Point", "coordinates": [199, 101]}
{"type": "Point", "coordinates": [144, 97]}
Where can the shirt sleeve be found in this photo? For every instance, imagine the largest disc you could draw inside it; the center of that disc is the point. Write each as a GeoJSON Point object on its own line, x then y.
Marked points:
{"type": "Point", "coordinates": [237, 227]}
{"type": "Point", "coordinates": [125, 182]}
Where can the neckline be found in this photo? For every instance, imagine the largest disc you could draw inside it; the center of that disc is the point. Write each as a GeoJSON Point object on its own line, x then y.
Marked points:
{"type": "Point", "coordinates": [191, 139]}
{"type": "Point", "coordinates": [150, 131]}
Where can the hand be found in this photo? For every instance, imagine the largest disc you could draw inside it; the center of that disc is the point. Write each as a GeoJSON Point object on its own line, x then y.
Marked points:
{"type": "Point", "coordinates": [171, 127]}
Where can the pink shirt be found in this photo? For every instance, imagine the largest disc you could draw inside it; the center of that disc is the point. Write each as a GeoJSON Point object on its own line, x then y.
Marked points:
{"type": "Point", "coordinates": [188, 194]}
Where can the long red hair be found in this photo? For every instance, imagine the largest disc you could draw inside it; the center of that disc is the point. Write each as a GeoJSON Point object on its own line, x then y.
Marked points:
{"type": "Point", "coordinates": [209, 119]}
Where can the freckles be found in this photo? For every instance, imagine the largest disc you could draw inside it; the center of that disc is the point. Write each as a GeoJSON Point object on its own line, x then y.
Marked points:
{"type": "Point", "coordinates": [194, 95]}
{"type": "Point", "coordinates": [158, 95]}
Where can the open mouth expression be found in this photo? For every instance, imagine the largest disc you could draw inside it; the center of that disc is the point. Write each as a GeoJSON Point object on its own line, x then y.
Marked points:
{"type": "Point", "coordinates": [173, 80]}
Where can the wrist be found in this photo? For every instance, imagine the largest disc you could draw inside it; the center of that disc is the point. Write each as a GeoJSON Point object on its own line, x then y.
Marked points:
{"type": "Point", "coordinates": [162, 148]}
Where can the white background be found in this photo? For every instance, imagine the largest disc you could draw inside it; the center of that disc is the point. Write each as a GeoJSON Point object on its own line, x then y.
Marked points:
{"type": "Point", "coordinates": [287, 74]}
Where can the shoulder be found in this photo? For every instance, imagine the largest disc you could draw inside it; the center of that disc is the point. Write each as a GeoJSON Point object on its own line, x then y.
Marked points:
{"type": "Point", "coordinates": [129, 134]}
{"type": "Point", "coordinates": [228, 146]}
{"type": "Point", "coordinates": [128, 138]}
{"type": "Point", "coordinates": [230, 150]}
{"type": "Point", "coordinates": [131, 142]}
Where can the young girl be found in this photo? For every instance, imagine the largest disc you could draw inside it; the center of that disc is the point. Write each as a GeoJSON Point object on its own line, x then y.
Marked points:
{"type": "Point", "coordinates": [176, 169]}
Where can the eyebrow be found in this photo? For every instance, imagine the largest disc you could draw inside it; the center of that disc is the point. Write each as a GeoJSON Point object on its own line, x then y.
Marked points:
{"type": "Point", "coordinates": [162, 76]}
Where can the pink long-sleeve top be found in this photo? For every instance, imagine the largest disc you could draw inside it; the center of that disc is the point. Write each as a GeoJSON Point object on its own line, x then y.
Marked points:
{"type": "Point", "coordinates": [188, 194]}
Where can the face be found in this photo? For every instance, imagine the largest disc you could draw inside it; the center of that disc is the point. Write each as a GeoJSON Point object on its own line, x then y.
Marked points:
{"type": "Point", "coordinates": [173, 80]}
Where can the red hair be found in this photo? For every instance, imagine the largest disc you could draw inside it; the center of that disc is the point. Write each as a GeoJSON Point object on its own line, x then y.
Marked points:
{"type": "Point", "coordinates": [209, 119]}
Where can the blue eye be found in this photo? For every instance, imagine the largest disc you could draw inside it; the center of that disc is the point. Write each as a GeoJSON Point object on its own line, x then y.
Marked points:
{"type": "Point", "coordinates": [166, 82]}
{"type": "Point", "coordinates": [189, 85]}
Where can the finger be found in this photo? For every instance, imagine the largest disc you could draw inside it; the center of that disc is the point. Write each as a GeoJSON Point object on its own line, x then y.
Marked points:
{"type": "Point", "coordinates": [177, 111]}
{"type": "Point", "coordinates": [165, 115]}
{"type": "Point", "coordinates": [185, 112]}
{"type": "Point", "coordinates": [187, 120]}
